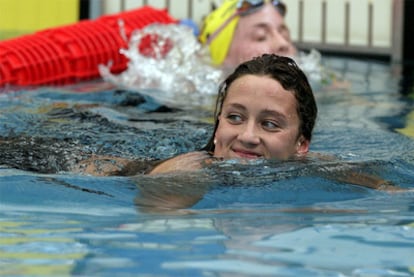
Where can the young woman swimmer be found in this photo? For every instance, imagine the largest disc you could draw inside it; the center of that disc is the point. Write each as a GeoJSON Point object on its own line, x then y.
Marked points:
{"type": "Point", "coordinates": [265, 109]}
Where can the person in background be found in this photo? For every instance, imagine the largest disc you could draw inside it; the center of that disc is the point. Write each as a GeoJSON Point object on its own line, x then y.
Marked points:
{"type": "Point", "coordinates": [239, 30]}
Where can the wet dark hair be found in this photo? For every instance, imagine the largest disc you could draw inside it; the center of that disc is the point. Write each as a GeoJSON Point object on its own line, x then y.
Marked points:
{"type": "Point", "coordinates": [289, 75]}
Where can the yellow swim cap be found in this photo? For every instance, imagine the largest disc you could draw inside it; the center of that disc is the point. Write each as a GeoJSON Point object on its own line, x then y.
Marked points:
{"type": "Point", "coordinates": [218, 28]}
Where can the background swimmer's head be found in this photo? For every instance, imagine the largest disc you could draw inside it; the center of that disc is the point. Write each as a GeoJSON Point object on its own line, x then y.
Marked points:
{"type": "Point", "coordinates": [219, 26]}
{"type": "Point", "coordinates": [289, 75]}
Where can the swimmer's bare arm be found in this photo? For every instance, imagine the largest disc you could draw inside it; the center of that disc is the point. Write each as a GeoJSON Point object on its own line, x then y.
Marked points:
{"type": "Point", "coordinates": [367, 180]}
{"type": "Point", "coordinates": [103, 165]}
{"type": "Point", "coordinates": [353, 174]}
{"type": "Point", "coordinates": [97, 165]}
{"type": "Point", "coordinates": [168, 193]}
{"type": "Point", "coordinates": [186, 162]}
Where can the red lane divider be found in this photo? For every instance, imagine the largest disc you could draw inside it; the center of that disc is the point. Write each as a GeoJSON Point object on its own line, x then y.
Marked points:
{"type": "Point", "coordinates": [71, 53]}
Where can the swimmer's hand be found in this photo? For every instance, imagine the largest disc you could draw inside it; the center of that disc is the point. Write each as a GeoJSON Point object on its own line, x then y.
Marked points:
{"type": "Point", "coordinates": [186, 162]}
{"type": "Point", "coordinates": [97, 165]}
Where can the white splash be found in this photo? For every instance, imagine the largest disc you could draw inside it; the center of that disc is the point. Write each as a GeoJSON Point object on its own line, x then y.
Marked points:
{"type": "Point", "coordinates": [169, 59]}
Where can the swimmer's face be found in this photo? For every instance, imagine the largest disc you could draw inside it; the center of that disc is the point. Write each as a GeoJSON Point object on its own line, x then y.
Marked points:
{"type": "Point", "coordinates": [259, 119]}
{"type": "Point", "coordinates": [263, 31]}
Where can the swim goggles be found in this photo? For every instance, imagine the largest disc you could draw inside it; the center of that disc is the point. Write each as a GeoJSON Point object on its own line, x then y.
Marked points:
{"type": "Point", "coordinates": [250, 6]}
{"type": "Point", "coordinates": [245, 7]}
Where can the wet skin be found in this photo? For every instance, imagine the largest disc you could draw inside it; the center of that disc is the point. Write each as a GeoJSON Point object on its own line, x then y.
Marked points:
{"type": "Point", "coordinates": [263, 31]}
{"type": "Point", "coordinates": [259, 120]}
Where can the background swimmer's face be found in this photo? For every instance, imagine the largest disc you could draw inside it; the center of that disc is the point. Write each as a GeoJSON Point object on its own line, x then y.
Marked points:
{"type": "Point", "coordinates": [259, 119]}
{"type": "Point", "coordinates": [263, 31]}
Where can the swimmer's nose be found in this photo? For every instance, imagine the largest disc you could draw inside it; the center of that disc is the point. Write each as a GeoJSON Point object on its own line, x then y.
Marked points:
{"type": "Point", "coordinates": [248, 135]}
{"type": "Point", "coordinates": [280, 45]}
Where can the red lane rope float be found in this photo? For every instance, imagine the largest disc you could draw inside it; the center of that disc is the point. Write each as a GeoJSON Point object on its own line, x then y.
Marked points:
{"type": "Point", "coordinates": [72, 53]}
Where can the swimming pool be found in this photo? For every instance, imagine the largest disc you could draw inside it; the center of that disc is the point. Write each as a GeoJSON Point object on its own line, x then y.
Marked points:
{"type": "Point", "coordinates": [259, 219]}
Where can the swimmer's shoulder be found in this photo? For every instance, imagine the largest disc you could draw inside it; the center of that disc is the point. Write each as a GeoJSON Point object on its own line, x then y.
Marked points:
{"type": "Point", "coordinates": [190, 161]}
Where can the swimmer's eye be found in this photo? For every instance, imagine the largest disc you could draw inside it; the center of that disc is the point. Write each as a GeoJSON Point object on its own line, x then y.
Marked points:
{"type": "Point", "coordinates": [234, 118]}
{"type": "Point", "coordinates": [260, 36]}
{"type": "Point", "coordinates": [270, 125]}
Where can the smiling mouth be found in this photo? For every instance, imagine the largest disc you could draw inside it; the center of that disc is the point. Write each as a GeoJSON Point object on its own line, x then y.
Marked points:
{"type": "Point", "coordinates": [246, 154]}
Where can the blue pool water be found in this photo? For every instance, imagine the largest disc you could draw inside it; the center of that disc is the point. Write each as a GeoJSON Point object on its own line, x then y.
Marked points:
{"type": "Point", "coordinates": [260, 219]}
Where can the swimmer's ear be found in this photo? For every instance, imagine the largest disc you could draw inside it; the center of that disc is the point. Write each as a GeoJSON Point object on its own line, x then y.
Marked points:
{"type": "Point", "coordinates": [302, 146]}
